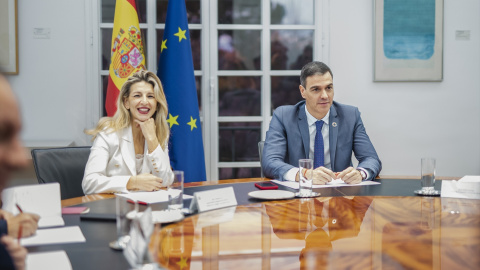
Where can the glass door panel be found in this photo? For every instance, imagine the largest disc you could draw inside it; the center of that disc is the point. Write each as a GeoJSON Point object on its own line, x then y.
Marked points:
{"type": "Point", "coordinates": [239, 11]}
{"type": "Point", "coordinates": [291, 49]}
{"type": "Point", "coordinates": [284, 91]}
{"type": "Point", "coordinates": [239, 96]}
{"type": "Point", "coordinates": [239, 49]}
{"type": "Point", "coordinates": [291, 12]}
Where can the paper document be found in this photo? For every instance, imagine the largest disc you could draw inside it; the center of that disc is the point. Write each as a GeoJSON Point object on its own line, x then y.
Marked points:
{"type": "Point", "coordinates": [42, 199]}
{"type": "Point", "coordinates": [46, 222]}
{"type": "Point", "coordinates": [55, 260]}
{"type": "Point", "coordinates": [470, 178]}
{"type": "Point", "coordinates": [334, 183]}
{"type": "Point", "coordinates": [468, 187]}
{"type": "Point", "coordinates": [150, 197]}
{"type": "Point", "coordinates": [62, 235]}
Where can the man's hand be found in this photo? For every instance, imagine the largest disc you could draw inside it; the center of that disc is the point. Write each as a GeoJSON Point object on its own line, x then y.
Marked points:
{"type": "Point", "coordinates": [145, 182]}
{"type": "Point", "coordinates": [321, 176]}
{"type": "Point", "coordinates": [28, 221]}
{"type": "Point", "coordinates": [17, 252]}
{"type": "Point", "coordinates": [350, 176]}
{"type": "Point", "coordinates": [5, 214]}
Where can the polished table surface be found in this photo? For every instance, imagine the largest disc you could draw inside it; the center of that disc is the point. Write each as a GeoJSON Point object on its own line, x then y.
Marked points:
{"type": "Point", "coordinates": [360, 232]}
{"type": "Point", "coordinates": [381, 226]}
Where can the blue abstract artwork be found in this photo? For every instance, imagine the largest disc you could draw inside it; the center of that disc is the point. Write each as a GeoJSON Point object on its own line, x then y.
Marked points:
{"type": "Point", "coordinates": [409, 29]}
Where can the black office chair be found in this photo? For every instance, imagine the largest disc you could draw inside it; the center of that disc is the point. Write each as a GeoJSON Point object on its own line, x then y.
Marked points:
{"type": "Point", "coordinates": [64, 165]}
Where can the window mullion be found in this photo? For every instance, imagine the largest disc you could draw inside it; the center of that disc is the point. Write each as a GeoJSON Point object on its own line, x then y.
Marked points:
{"type": "Point", "coordinates": [212, 88]}
{"type": "Point", "coordinates": [266, 78]}
{"type": "Point", "coordinates": [322, 32]}
{"type": "Point", "coordinates": [93, 63]}
{"type": "Point", "coordinates": [206, 105]}
{"type": "Point", "coordinates": [151, 36]}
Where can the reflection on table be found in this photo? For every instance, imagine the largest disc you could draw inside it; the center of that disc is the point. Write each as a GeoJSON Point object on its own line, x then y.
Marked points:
{"type": "Point", "coordinates": [360, 232]}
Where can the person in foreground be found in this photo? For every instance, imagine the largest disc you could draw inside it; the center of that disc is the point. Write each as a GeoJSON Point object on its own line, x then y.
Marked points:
{"type": "Point", "coordinates": [130, 149]}
{"type": "Point", "coordinates": [292, 135]}
{"type": "Point", "coordinates": [12, 157]}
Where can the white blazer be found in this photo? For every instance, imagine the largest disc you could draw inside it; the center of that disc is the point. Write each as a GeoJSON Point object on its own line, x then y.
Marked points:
{"type": "Point", "coordinates": [112, 162]}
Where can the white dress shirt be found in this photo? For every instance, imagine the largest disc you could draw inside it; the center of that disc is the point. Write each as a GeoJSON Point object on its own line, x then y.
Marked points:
{"type": "Point", "coordinates": [312, 130]}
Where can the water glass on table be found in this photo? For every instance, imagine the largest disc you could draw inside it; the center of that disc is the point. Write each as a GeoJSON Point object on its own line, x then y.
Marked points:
{"type": "Point", "coordinates": [305, 176]}
{"type": "Point", "coordinates": [175, 192]}
{"type": "Point", "coordinates": [428, 178]}
{"type": "Point", "coordinates": [125, 210]}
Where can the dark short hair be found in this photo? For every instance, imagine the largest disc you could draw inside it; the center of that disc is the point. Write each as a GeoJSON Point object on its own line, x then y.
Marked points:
{"type": "Point", "coordinates": [313, 68]}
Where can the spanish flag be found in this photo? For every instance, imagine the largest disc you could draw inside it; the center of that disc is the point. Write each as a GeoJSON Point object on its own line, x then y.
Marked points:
{"type": "Point", "coordinates": [128, 56]}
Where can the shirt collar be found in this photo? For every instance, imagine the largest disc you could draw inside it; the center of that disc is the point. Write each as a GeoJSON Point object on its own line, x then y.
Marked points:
{"type": "Point", "coordinates": [311, 120]}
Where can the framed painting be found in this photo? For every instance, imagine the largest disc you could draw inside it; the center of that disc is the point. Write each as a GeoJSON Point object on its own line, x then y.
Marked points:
{"type": "Point", "coordinates": [8, 37]}
{"type": "Point", "coordinates": [408, 43]}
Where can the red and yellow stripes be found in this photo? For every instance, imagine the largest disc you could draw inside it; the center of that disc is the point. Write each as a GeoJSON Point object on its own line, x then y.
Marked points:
{"type": "Point", "coordinates": [127, 54]}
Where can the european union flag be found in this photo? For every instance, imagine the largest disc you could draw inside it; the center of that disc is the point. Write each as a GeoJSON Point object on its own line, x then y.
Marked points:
{"type": "Point", "coordinates": [175, 70]}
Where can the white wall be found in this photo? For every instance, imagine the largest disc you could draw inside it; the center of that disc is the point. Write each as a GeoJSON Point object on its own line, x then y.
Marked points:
{"type": "Point", "coordinates": [51, 84]}
{"type": "Point", "coordinates": [405, 121]}
{"type": "Point", "coordinates": [410, 120]}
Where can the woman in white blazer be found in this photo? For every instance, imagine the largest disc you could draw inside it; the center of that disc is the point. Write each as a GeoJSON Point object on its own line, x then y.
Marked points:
{"type": "Point", "coordinates": [130, 149]}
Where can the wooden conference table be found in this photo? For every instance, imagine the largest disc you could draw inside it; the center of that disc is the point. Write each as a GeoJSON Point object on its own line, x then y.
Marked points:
{"type": "Point", "coordinates": [362, 227]}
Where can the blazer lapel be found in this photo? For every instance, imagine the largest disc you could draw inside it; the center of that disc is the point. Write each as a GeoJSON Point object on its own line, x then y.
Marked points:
{"type": "Point", "coordinates": [303, 126]}
{"type": "Point", "coordinates": [128, 150]}
{"type": "Point", "coordinates": [333, 134]}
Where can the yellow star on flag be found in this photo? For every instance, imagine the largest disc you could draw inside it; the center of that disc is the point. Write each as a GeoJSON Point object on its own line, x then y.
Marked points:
{"type": "Point", "coordinates": [182, 263]}
{"type": "Point", "coordinates": [192, 123]}
{"type": "Point", "coordinates": [164, 45]}
{"type": "Point", "coordinates": [180, 34]}
{"type": "Point", "coordinates": [172, 120]}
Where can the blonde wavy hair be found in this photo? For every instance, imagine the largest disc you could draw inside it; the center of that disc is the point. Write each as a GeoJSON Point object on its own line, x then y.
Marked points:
{"type": "Point", "coordinates": [121, 119]}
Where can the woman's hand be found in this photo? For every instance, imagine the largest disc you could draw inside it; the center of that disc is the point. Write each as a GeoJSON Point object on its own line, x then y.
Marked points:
{"type": "Point", "coordinates": [149, 131]}
{"type": "Point", "coordinates": [145, 182]}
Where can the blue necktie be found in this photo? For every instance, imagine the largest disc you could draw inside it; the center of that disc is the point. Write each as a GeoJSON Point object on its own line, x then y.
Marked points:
{"type": "Point", "coordinates": [318, 155]}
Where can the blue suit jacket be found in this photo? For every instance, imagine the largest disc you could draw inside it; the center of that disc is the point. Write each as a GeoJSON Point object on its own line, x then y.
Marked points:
{"type": "Point", "coordinates": [5, 259]}
{"type": "Point", "coordinates": [288, 140]}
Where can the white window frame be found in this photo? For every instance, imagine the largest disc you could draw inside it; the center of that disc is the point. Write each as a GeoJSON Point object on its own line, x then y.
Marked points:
{"type": "Point", "coordinates": [320, 52]}
{"type": "Point", "coordinates": [209, 68]}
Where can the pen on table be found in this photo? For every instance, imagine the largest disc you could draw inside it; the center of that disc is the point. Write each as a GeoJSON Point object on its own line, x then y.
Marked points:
{"type": "Point", "coordinates": [19, 233]}
{"type": "Point", "coordinates": [139, 202]}
{"type": "Point", "coordinates": [21, 227]}
{"type": "Point", "coordinates": [19, 208]}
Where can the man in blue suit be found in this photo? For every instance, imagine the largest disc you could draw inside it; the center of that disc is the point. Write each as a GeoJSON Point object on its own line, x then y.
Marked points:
{"type": "Point", "coordinates": [292, 135]}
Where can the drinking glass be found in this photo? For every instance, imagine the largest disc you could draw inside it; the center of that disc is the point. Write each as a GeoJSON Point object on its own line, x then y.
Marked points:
{"type": "Point", "coordinates": [428, 175]}
{"type": "Point", "coordinates": [305, 178]}
{"type": "Point", "coordinates": [175, 191]}
{"type": "Point", "coordinates": [260, 153]}
{"type": "Point", "coordinates": [125, 211]}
